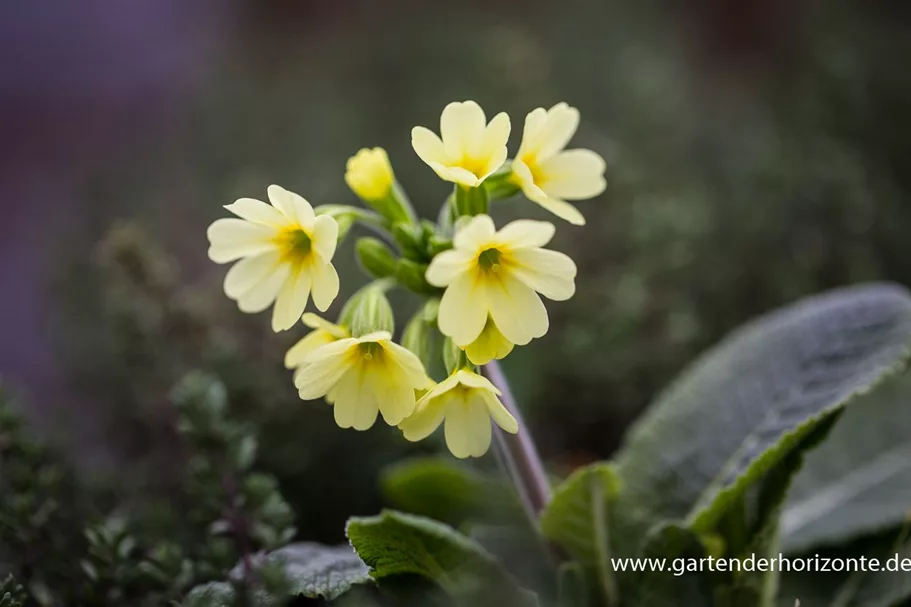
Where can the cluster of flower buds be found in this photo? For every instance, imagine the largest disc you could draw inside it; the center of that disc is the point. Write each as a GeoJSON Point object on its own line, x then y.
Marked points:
{"type": "Point", "coordinates": [480, 286]}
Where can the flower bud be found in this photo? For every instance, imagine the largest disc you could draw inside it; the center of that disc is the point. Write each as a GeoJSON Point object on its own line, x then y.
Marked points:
{"type": "Point", "coordinates": [418, 337]}
{"type": "Point", "coordinates": [371, 312]}
{"type": "Point", "coordinates": [375, 257]}
{"type": "Point", "coordinates": [369, 175]}
{"type": "Point", "coordinates": [470, 201]}
{"type": "Point", "coordinates": [410, 237]}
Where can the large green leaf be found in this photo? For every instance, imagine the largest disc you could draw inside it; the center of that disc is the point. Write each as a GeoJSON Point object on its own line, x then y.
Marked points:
{"type": "Point", "coordinates": [859, 481]}
{"type": "Point", "coordinates": [740, 408]}
{"type": "Point", "coordinates": [576, 519]}
{"type": "Point", "coordinates": [397, 544]}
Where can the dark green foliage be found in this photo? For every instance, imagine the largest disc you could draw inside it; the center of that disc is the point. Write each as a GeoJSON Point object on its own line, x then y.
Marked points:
{"type": "Point", "coordinates": [67, 544]}
{"type": "Point", "coordinates": [11, 593]}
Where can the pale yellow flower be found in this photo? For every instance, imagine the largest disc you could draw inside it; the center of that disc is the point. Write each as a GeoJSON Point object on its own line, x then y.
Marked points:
{"type": "Point", "coordinates": [363, 376]}
{"type": "Point", "coordinates": [497, 275]}
{"type": "Point", "coordinates": [470, 148]}
{"type": "Point", "coordinates": [324, 332]}
{"type": "Point", "coordinates": [490, 345]}
{"type": "Point", "coordinates": [285, 254]}
{"type": "Point", "coordinates": [550, 175]}
{"type": "Point", "coordinates": [467, 402]}
{"type": "Point", "coordinates": [369, 174]}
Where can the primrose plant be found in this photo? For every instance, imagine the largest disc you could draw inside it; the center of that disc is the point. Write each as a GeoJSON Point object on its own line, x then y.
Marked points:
{"type": "Point", "coordinates": [743, 459]}
{"type": "Point", "coordinates": [481, 286]}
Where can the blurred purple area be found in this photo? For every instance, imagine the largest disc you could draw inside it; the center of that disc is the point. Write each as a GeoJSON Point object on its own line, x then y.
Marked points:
{"type": "Point", "coordinates": [83, 85]}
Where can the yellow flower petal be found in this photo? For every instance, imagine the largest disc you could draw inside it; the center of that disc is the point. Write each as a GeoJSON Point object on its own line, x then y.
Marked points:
{"type": "Point", "coordinates": [296, 355]}
{"type": "Point", "coordinates": [526, 233]}
{"type": "Point", "coordinates": [462, 127]}
{"type": "Point", "coordinates": [516, 309]}
{"type": "Point", "coordinates": [323, 368]}
{"type": "Point", "coordinates": [355, 405]}
{"type": "Point", "coordinates": [325, 285]}
{"type": "Point", "coordinates": [463, 310]}
{"type": "Point", "coordinates": [476, 233]}
{"type": "Point", "coordinates": [394, 394]}
{"type": "Point", "coordinates": [325, 237]}
{"type": "Point", "coordinates": [493, 144]}
{"type": "Point", "coordinates": [258, 212]}
{"type": "Point", "coordinates": [574, 175]}
{"type": "Point", "coordinates": [551, 134]}
{"type": "Point", "coordinates": [424, 421]}
{"type": "Point", "coordinates": [500, 414]}
{"type": "Point", "coordinates": [315, 322]}
{"type": "Point", "coordinates": [248, 272]}
{"type": "Point", "coordinates": [446, 266]}
{"type": "Point", "coordinates": [409, 363]}
{"type": "Point", "coordinates": [533, 122]}
{"type": "Point", "coordinates": [291, 300]}
{"type": "Point", "coordinates": [467, 428]}
{"type": "Point", "coordinates": [489, 345]}
{"type": "Point", "coordinates": [548, 272]}
{"type": "Point", "coordinates": [231, 239]}
{"type": "Point", "coordinates": [293, 206]}
{"type": "Point", "coordinates": [428, 146]}
{"type": "Point", "coordinates": [263, 293]}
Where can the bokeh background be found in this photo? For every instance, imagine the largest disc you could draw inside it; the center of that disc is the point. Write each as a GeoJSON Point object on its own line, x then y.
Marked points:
{"type": "Point", "coordinates": [757, 151]}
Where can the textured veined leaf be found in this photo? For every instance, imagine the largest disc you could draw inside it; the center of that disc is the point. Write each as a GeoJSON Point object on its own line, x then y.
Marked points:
{"type": "Point", "coordinates": [315, 570]}
{"type": "Point", "coordinates": [738, 410]}
{"type": "Point", "coordinates": [395, 544]}
{"type": "Point", "coordinates": [859, 480]}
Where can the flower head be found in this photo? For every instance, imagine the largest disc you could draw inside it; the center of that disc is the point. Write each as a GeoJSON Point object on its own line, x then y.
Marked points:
{"type": "Point", "coordinates": [497, 275]}
{"type": "Point", "coordinates": [369, 174]}
{"type": "Point", "coordinates": [550, 175]}
{"type": "Point", "coordinates": [285, 254]}
{"type": "Point", "coordinates": [324, 332]}
{"type": "Point", "coordinates": [363, 376]}
{"type": "Point", "coordinates": [470, 149]}
{"type": "Point", "coordinates": [467, 402]}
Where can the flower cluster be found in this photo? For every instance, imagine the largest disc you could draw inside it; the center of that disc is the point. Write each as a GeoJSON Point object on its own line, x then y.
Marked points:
{"type": "Point", "coordinates": [481, 286]}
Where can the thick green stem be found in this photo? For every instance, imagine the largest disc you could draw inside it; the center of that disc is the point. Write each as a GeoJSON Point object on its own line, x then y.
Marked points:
{"type": "Point", "coordinates": [518, 452]}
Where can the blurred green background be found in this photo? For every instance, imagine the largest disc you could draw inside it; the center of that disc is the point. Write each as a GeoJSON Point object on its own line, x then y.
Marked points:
{"type": "Point", "coordinates": [757, 151]}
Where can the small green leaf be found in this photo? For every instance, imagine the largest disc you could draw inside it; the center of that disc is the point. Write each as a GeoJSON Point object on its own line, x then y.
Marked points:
{"type": "Point", "coordinates": [577, 520]}
{"type": "Point", "coordinates": [745, 404]}
{"type": "Point", "coordinates": [395, 544]}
